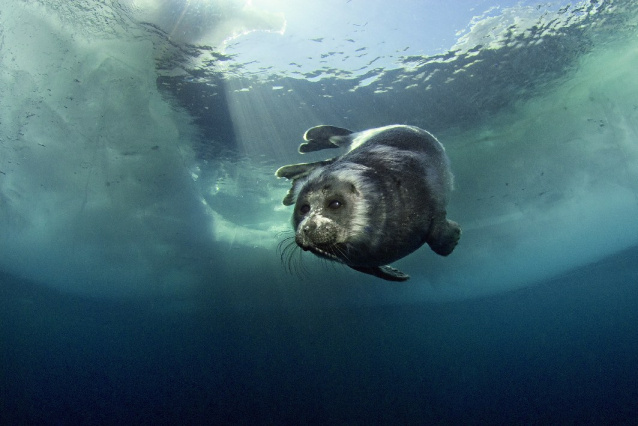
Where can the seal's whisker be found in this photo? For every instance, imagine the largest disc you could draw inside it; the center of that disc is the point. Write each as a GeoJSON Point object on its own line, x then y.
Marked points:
{"type": "Point", "coordinates": [285, 246]}
{"type": "Point", "coordinates": [287, 250]}
{"type": "Point", "coordinates": [290, 256]}
{"type": "Point", "coordinates": [285, 232]}
{"type": "Point", "coordinates": [291, 261]}
{"type": "Point", "coordinates": [298, 266]}
{"type": "Point", "coordinates": [342, 252]}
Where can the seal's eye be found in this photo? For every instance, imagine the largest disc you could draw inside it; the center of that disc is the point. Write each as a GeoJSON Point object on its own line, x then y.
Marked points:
{"type": "Point", "coordinates": [304, 209]}
{"type": "Point", "coordinates": [334, 204]}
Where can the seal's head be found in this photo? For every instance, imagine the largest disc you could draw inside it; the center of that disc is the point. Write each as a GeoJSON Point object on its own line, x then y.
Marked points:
{"type": "Point", "coordinates": [330, 214]}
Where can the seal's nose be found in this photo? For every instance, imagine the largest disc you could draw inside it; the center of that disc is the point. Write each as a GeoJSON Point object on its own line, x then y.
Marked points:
{"type": "Point", "coordinates": [306, 234]}
{"type": "Point", "coordinates": [302, 243]}
{"type": "Point", "coordinates": [310, 227]}
{"type": "Point", "coordinates": [302, 239]}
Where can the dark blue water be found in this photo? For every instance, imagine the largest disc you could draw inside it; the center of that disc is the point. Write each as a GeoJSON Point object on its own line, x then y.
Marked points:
{"type": "Point", "coordinates": [215, 332]}
{"type": "Point", "coordinates": [560, 352]}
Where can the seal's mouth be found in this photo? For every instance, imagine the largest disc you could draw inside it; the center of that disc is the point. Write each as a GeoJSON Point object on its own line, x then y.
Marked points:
{"type": "Point", "coordinates": [326, 252]}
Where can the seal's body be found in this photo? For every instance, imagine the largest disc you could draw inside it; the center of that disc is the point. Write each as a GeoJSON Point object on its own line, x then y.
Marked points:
{"type": "Point", "coordinates": [377, 203]}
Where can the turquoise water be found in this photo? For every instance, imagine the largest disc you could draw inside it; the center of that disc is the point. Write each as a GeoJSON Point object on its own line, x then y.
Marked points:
{"type": "Point", "coordinates": [139, 214]}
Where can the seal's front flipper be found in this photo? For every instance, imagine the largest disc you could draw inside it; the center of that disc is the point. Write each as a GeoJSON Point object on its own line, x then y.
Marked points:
{"type": "Point", "coordinates": [445, 237]}
{"type": "Point", "coordinates": [386, 272]}
{"type": "Point", "coordinates": [295, 172]}
{"type": "Point", "coordinates": [324, 137]}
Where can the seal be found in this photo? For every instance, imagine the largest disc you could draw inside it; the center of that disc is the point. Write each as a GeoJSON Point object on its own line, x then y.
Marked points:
{"type": "Point", "coordinates": [380, 201]}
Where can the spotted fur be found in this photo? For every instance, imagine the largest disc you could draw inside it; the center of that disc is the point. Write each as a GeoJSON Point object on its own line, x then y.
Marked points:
{"type": "Point", "coordinates": [380, 201]}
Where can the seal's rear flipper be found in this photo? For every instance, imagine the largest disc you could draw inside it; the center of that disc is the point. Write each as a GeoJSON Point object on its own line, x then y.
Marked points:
{"type": "Point", "coordinates": [295, 172]}
{"type": "Point", "coordinates": [445, 237]}
{"type": "Point", "coordinates": [386, 272]}
{"type": "Point", "coordinates": [324, 137]}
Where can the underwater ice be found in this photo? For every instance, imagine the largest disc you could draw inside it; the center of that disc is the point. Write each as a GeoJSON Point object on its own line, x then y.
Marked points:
{"type": "Point", "coordinates": [99, 188]}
